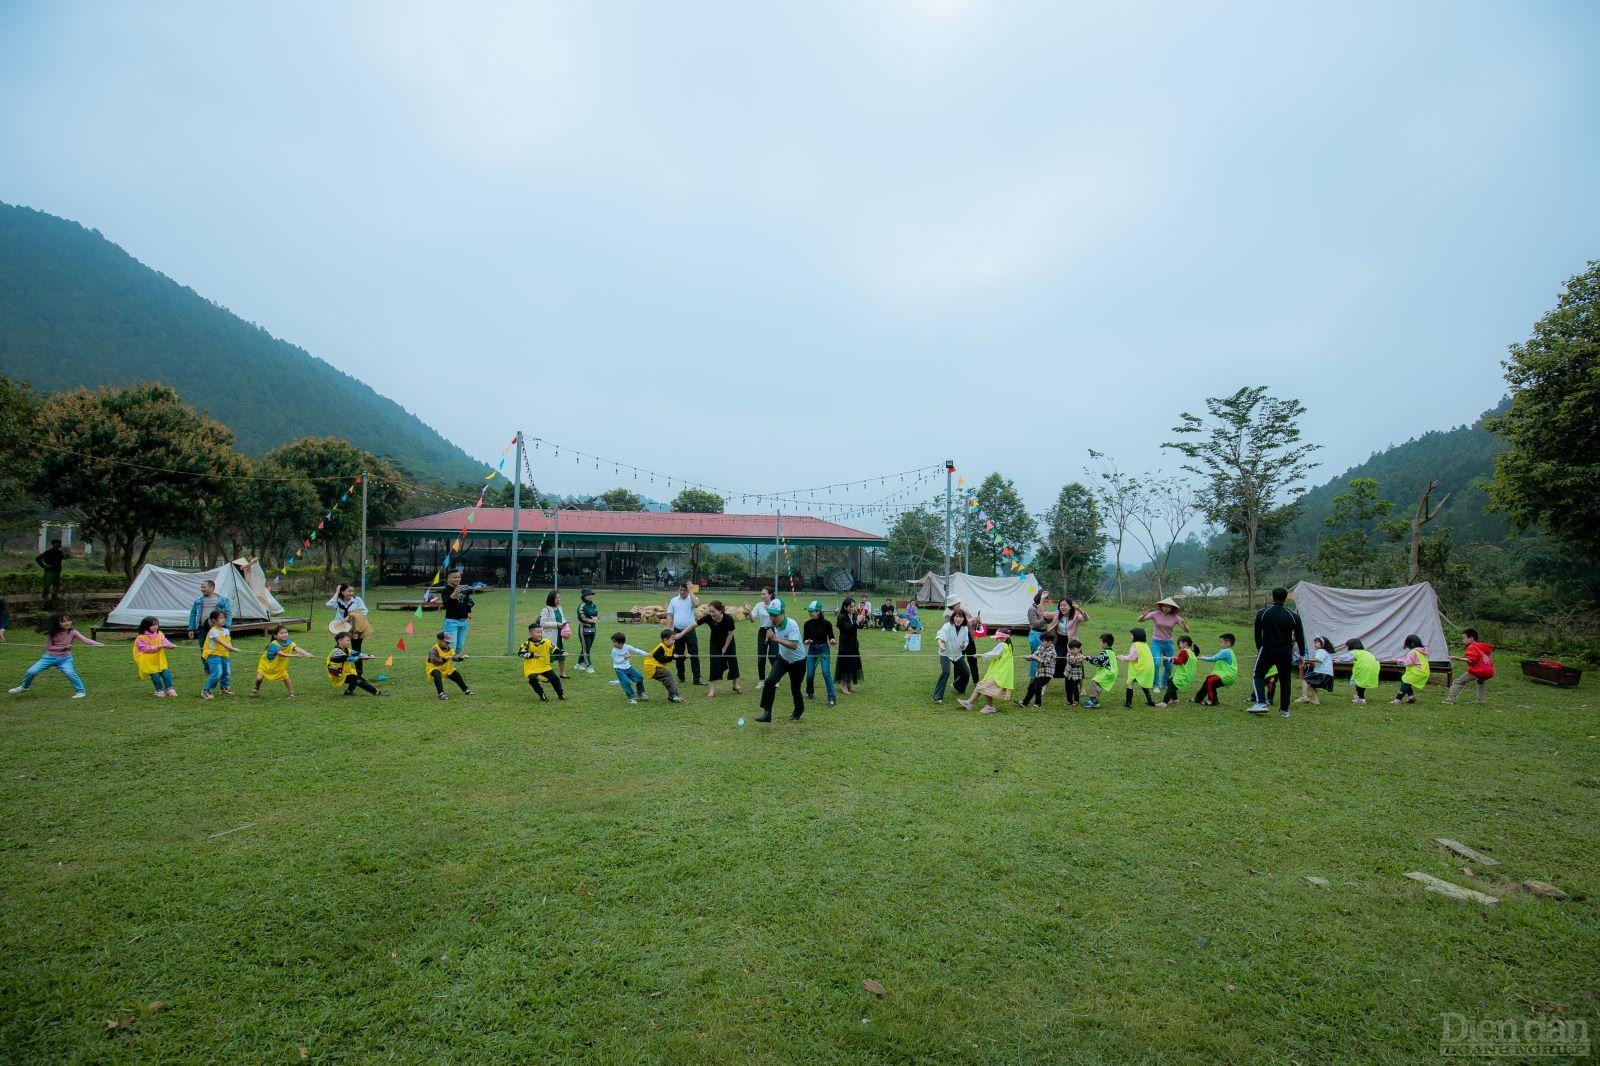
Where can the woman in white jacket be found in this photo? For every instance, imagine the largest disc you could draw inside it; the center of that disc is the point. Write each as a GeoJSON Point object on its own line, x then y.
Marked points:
{"type": "Point", "coordinates": [952, 641]}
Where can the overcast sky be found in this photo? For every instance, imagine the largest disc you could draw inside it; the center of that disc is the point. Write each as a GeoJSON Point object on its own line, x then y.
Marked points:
{"type": "Point", "coordinates": [772, 245]}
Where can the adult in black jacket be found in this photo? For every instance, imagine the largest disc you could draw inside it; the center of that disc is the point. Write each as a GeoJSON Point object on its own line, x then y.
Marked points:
{"type": "Point", "coordinates": [1278, 634]}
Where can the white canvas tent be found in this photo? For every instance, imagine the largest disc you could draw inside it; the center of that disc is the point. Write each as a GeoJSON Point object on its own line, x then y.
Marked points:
{"type": "Point", "coordinates": [168, 594]}
{"type": "Point", "coordinates": [1003, 601]}
{"type": "Point", "coordinates": [928, 590]}
{"type": "Point", "coordinates": [1380, 618]}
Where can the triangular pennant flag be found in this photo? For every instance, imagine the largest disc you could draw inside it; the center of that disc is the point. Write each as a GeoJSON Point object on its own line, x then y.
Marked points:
{"type": "Point", "coordinates": [359, 477]}
{"type": "Point", "coordinates": [409, 628]}
{"type": "Point", "coordinates": [400, 644]}
{"type": "Point", "coordinates": [389, 661]}
{"type": "Point", "coordinates": [322, 523]}
{"type": "Point", "coordinates": [345, 497]}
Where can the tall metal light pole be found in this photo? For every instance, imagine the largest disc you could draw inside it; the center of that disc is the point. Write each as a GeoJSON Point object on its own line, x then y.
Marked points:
{"type": "Point", "coordinates": [777, 553]}
{"type": "Point", "coordinates": [555, 554]}
{"type": "Point", "coordinates": [949, 521]}
{"type": "Point", "coordinates": [363, 536]}
{"type": "Point", "coordinates": [516, 521]}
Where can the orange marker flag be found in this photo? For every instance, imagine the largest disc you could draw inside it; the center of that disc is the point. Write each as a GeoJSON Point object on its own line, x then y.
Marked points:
{"type": "Point", "coordinates": [389, 661]}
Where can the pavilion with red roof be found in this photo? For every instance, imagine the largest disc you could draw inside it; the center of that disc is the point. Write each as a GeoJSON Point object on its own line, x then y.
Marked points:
{"type": "Point", "coordinates": [599, 547]}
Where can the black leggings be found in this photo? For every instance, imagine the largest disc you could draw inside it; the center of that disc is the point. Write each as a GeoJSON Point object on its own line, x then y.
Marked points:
{"type": "Point", "coordinates": [355, 646]}
{"type": "Point", "coordinates": [356, 681]}
{"type": "Point", "coordinates": [586, 646]}
{"type": "Point", "coordinates": [1171, 694]}
{"type": "Point", "coordinates": [1035, 693]}
{"type": "Point", "coordinates": [550, 676]}
{"type": "Point", "coordinates": [438, 681]}
{"type": "Point", "coordinates": [1074, 690]}
{"type": "Point", "coordinates": [769, 688]}
{"type": "Point", "coordinates": [1127, 696]}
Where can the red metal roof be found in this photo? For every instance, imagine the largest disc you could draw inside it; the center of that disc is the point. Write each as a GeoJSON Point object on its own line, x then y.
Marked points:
{"type": "Point", "coordinates": [622, 525]}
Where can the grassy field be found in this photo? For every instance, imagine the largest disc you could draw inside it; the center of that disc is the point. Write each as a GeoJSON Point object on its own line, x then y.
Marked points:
{"type": "Point", "coordinates": [498, 879]}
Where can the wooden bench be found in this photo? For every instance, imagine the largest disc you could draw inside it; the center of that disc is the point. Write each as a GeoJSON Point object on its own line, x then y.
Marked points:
{"type": "Point", "coordinates": [1439, 672]}
{"type": "Point", "coordinates": [238, 629]}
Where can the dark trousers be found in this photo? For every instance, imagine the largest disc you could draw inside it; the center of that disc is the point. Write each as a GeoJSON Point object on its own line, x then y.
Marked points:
{"type": "Point", "coordinates": [1035, 693]}
{"type": "Point", "coordinates": [1209, 689]}
{"type": "Point", "coordinates": [1074, 690]}
{"type": "Point", "coordinates": [586, 646]}
{"type": "Point", "coordinates": [972, 662]}
{"type": "Point", "coordinates": [945, 666]}
{"type": "Point", "coordinates": [782, 667]}
{"type": "Point", "coordinates": [550, 677]}
{"type": "Point", "coordinates": [688, 649]}
{"type": "Point", "coordinates": [1127, 696]}
{"type": "Point", "coordinates": [1171, 693]}
{"type": "Point", "coordinates": [761, 652]}
{"type": "Point", "coordinates": [1266, 659]}
{"type": "Point", "coordinates": [355, 646]}
{"type": "Point", "coordinates": [438, 681]}
{"type": "Point", "coordinates": [356, 681]}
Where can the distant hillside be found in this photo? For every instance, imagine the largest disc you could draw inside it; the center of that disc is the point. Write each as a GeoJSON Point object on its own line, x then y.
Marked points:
{"type": "Point", "coordinates": [1458, 459]}
{"type": "Point", "coordinates": [76, 309]}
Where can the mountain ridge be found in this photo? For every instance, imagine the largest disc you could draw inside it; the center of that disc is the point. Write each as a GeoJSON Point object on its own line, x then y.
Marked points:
{"type": "Point", "coordinates": [78, 310]}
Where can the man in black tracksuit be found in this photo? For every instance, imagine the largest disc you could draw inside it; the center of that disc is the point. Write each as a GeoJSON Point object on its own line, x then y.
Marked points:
{"type": "Point", "coordinates": [1278, 634]}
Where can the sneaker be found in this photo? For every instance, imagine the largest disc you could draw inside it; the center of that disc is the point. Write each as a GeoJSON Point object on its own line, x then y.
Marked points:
{"type": "Point", "coordinates": [1283, 714]}
{"type": "Point", "coordinates": [444, 695]}
{"type": "Point", "coordinates": [1411, 699]}
{"type": "Point", "coordinates": [80, 695]}
{"type": "Point", "coordinates": [632, 702]}
{"type": "Point", "coordinates": [161, 695]}
{"type": "Point", "coordinates": [795, 717]}
{"type": "Point", "coordinates": [1448, 703]}
{"type": "Point", "coordinates": [19, 688]}
{"type": "Point", "coordinates": [613, 681]}
{"type": "Point", "coordinates": [591, 669]}
{"type": "Point", "coordinates": [172, 692]}
{"type": "Point", "coordinates": [989, 710]}
{"type": "Point", "coordinates": [1358, 699]}
{"type": "Point", "coordinates": [229, 692]}
{"type": "Point", "coordinates": [833, 703]}
{"type": "Point", "coordinates": [643, 698]}
{"type": "Point", "coordinates": [765, 716]}
{"type": "Point", "coordinates": [207, 696]}
{"type": "Point", "coordinates": [678, 699]}
{"type": "Point", "coordinates": [1091, 703]}
{"type": "Point", "coordinates": [467, 693]}
{"type": "Point", "coordinates": [1257, 708]}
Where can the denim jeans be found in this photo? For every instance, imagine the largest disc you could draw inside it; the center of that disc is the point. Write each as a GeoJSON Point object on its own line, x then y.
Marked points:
{"type": "Point", "coordinates": [457, 628]}
{"type": "Point", "coordinates": [945, 666]}
{"type": "Point", "coordinates": [59, 662]}
{"type": "Point", "coordinates": [1161, 650]}
{"type": "Point", "coordinates": [161, 680]}
{"type": "Point", "coordinates": [219, 673]}
{"type": "Point", "coordinates": [632, 682]}
{"type": "Point", "coordinates": [816, 656]}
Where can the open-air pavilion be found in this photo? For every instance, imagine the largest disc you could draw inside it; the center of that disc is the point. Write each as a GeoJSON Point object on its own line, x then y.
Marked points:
{"type": "Point", "coordinates": [621, 549]}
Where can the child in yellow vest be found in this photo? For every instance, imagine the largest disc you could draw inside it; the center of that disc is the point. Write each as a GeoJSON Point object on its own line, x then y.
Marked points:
{"type": "Point", "coordinates": [1415, 674]}
{"type": "Point", "coordinates": [1365, 669]}
{"type": "Point", "coordinates": [1141, 667]}
{"type": "Point", "coordinates": [442, 659]}
{"type": "Point", "coordinates": [274, 662]}
{"type": "Point", "coordinates": [1000, 677]}
{"type": "Point", "coordinates": [658, 665]}
{"type": "Point", "coordinates": [150, 656]}
{"type": "Point", "coordinates": [342, 668]}
{"type": "Point", "coordinates": [1105, 674]}
{"type": "Point", "coordinates": [536, 652]}
{"type": "Point", "coordinates": [216, 651]}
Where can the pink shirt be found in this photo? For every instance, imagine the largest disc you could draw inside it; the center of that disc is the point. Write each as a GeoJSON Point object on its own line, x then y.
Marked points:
{"type": "Point", "coordinates": [1162, 623]}
{"type": "Point", "coordinates": [60, 644]}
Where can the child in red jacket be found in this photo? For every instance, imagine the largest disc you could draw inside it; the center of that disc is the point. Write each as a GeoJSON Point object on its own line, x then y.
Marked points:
{"type": "Point", "coordinates": [1480, 666]}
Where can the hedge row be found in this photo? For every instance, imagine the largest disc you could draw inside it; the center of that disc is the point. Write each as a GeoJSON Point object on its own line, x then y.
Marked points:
{"type": "Point", "coordinates": [16, 582]}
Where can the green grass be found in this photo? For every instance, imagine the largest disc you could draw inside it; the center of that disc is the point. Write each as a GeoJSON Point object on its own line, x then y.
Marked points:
{"type": "Point", "coordinates": [497, 879]}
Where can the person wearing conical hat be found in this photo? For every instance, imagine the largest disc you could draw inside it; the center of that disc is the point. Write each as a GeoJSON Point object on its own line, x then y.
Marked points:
{"type": "Point", "coordinates": [1163, 619]}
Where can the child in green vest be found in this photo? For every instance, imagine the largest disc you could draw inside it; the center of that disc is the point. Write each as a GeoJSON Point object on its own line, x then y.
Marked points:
{"type": "Point", "coordinates": [1184, 665]}
{"type": "Point", "coordinates": [1105, 675]}
{"type": "Point", "coordinates": [1415, 674]}
{"type": "Point", "coordinates": [1141, 667]}
{"type": "Point", "coordinates": [1000, 677]}
{"type": "Point", "coordinates": [1224, 672]}
{"type": "Point", "coordinates": [1364, 669]}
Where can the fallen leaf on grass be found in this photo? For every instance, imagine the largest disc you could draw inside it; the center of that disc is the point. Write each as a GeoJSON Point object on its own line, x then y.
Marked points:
{"type": "Point", "coordinates": [304, 1054]}
{"type": "Point", "coordinates": [155, 1005]}
{"type": "Point", "coordinates": [655, 995]}
{"type": "Point", "coordinates": [874, 987]}
{"type": "Point", "coordinates": [1227, 988]}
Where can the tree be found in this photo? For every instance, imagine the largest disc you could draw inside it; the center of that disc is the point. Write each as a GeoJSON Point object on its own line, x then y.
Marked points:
{"type": "Point", "coordinates": [1549, 474]}
{"type": "Point", "coordinates": [1072, 545]}
{"type": "Point", "coordinates": [1421, 517]}
{"type": "Point", "coordinates": [697, 501]}
{"type": "Point", "coordinates": [131, 464]}
{"type": "Point", "coordinates": [19, 421]}
{"type": "Point", "coordinates": [998, 498]}
{"type": "Point", "coordinates": [1119, 497]}
{"type": "Point", "coordinates": [1228, 550]}
{"type": "Point", "coordinates": [913, 544]}
{"type": "Point", "coordinates": [1349, 553]}
{"type": "Point", "coordinates": [1164, 510]}
{"type": "Point", "coordinates": [270, 517]}
{"type": "Point", "coordinates": [1250, 454]}
{"type": "Point", "coordinates": [330, 465]}
{"type": "Point", "coordinates": [620, 499]}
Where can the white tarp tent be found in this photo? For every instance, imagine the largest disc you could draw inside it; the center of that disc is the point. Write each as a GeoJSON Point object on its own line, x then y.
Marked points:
{"type": "Point", "coordinates": [1002, 601]}
{"type": "Point", "coordinates": [1380, 618]}
{"type": "Point", "coordinates": [168, 594]}
{"type": "Point", "coordinates": [928, 590]}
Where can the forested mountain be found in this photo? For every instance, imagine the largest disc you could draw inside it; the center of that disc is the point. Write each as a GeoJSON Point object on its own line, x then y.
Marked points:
{"type": "Point", "coordinates": [1458, 459]}
{"type": "Point", "coordinates": [76, 309]}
